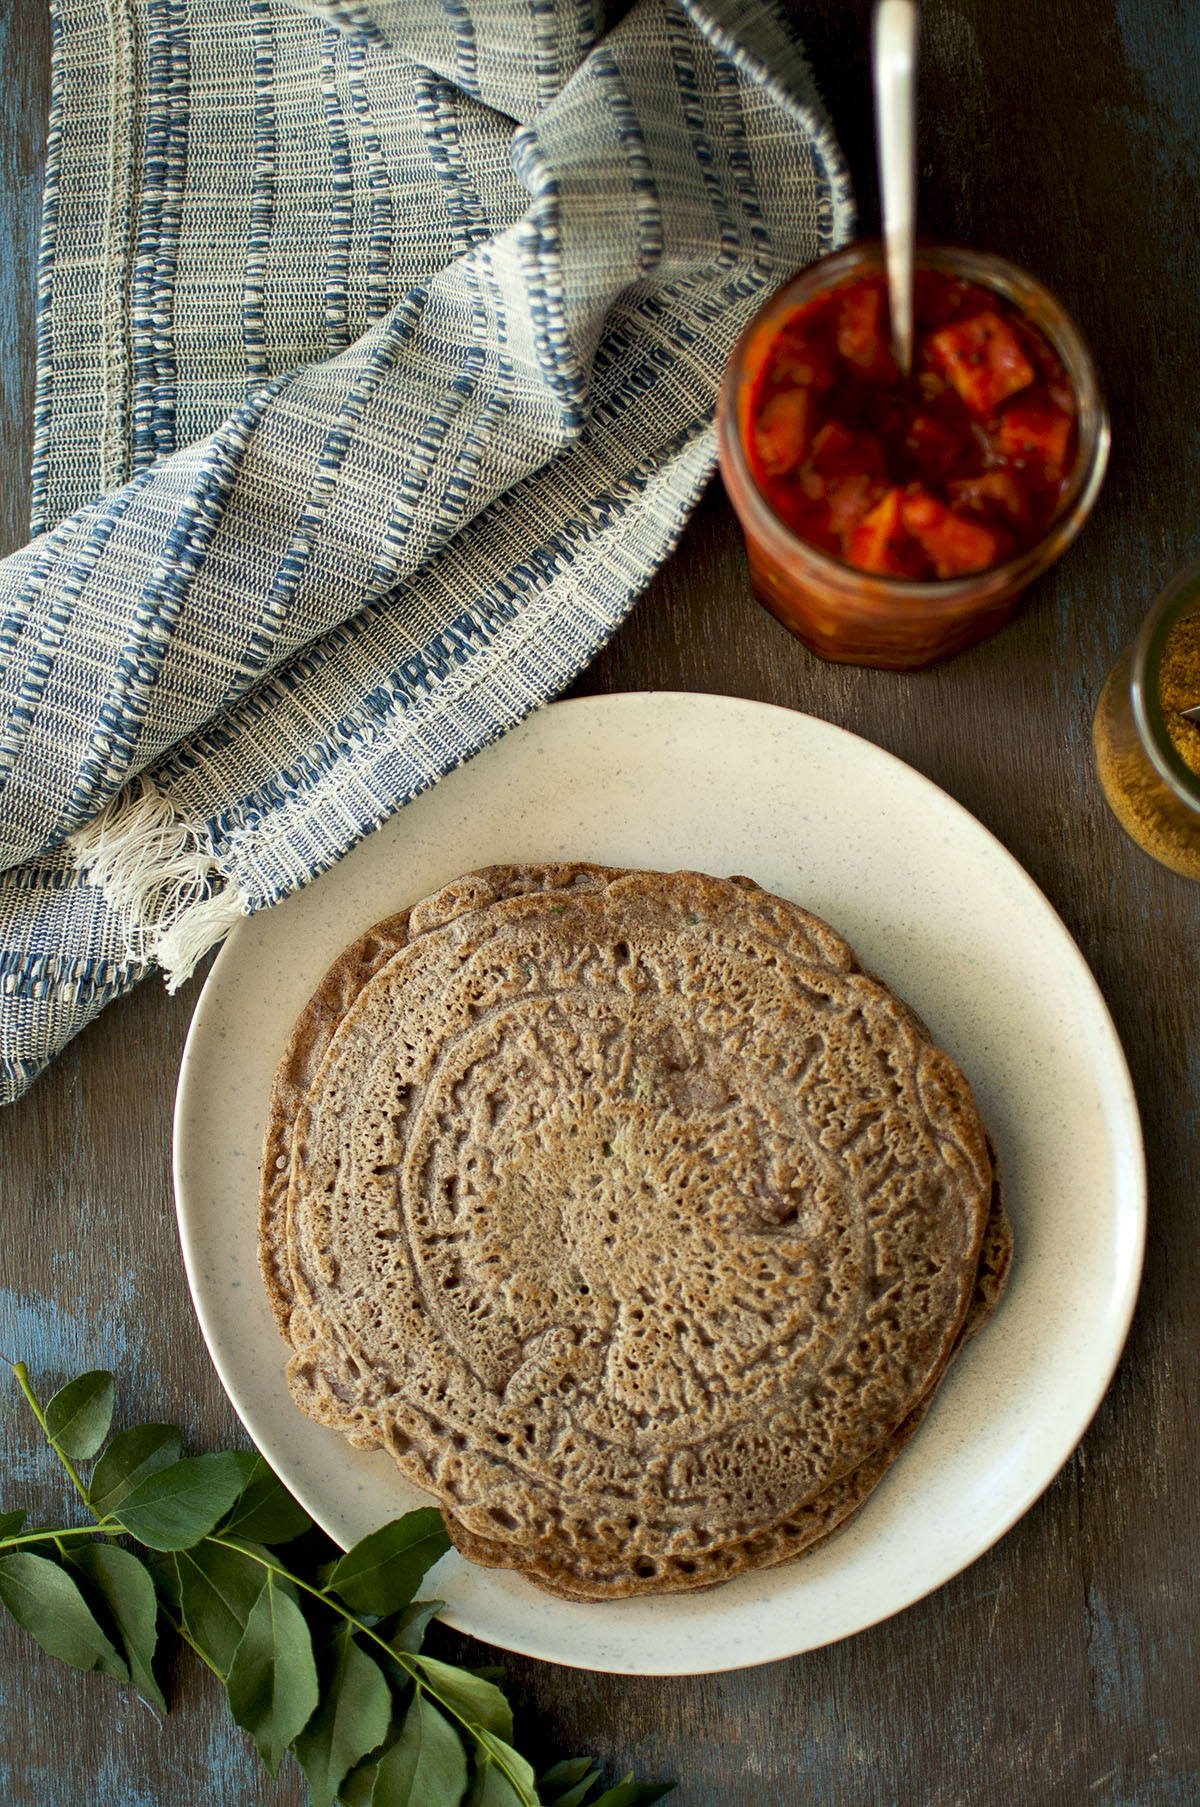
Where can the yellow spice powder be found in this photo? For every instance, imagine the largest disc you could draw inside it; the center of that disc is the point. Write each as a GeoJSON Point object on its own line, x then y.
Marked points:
{"type": "Point", "coordinates": [1179, 688]}
{"type": "Point", "coordinates": [1147, 809]}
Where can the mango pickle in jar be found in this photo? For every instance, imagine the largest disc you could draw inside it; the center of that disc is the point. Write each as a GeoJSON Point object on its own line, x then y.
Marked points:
{"type": "Point", "coordinates": [892, 521]}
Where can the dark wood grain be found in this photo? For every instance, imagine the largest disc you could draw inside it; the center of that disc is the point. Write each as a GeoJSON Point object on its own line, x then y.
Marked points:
{"type": "Point", "coordinates": [1062, 1666]}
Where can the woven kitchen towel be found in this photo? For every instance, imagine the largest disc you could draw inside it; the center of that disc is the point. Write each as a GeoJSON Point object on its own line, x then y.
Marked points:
{"type": "Point", "coordinates": [379, 343]}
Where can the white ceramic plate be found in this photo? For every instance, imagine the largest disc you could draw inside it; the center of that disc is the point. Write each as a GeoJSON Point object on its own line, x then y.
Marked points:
{"type": "Point", "coordinates": [932, 902]}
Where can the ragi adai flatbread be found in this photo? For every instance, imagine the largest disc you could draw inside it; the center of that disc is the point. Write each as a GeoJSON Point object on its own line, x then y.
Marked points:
{"type": "Point", "coordinates": [629, 1214]}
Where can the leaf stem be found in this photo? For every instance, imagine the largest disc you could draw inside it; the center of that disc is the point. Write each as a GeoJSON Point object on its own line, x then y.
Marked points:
{"type": "Point", "coordinates": [22, 1377]}
{"type": "Point", "coordinates": [181, 1630]}
{"type": "Point", "coordinates": [53, 1535]}
{"type": "Point", "coordinates": [405, 1662]}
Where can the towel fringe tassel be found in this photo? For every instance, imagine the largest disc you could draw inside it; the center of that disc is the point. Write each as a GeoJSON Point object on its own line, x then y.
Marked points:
{"type": "Point", "coordinates": [150, 863]}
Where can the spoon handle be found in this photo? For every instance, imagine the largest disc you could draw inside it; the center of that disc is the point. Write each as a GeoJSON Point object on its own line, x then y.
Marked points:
{"type": "Point", "coordinates": [894, 60]}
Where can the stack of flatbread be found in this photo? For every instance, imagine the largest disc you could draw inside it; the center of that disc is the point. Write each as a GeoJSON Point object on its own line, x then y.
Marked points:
{"type": "Point", "coordinates": [629, 1215]}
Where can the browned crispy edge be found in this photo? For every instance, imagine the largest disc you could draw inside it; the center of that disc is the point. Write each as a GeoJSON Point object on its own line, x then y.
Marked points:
{"type": "Point", "coordinates": [309, 1043]}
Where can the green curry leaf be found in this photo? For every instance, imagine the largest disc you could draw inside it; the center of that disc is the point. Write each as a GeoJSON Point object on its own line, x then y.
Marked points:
{"type": "Point", "coordinates": [80, 1413]}
{"type": "Point", "coordinates": [320, 1658]}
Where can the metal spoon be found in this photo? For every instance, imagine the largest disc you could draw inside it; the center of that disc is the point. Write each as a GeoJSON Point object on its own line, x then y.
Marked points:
{"type": "Point", "coordinates": [894, 62]}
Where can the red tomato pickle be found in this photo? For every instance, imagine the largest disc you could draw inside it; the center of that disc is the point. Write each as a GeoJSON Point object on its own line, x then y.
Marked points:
{"type": "Point", "coordinates": [988, 398]}
{"type": "Point", "coordinates": [891, 520]}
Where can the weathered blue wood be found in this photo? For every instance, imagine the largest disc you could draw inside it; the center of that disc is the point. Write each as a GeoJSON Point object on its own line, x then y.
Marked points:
{"type": "Point", "coordinates": [1061, 1669]}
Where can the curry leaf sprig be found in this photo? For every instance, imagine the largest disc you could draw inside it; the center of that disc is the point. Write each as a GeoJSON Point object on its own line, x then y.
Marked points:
{"type": "Point", "coordinates": [322, 1659]}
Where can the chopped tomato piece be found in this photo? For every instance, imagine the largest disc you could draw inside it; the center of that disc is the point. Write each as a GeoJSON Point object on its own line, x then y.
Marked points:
{"type": "Point", "coordinates": [1036, 434]}
{"type": "Point", "coordinates": [837, 451]}
{"type": "Point", "coordinates": [984, 360]}
{"type": "Point", "coordinates": [782, 430]}
{"type": "Point", "coordinates": [805, 360]}
{"type": "Point", "coordinates": [992, 493]}
{"type": "Point", "coordinates": [850, 500]}
{"type": "Point", "coordinates": [879, 542]}
{"type": "Point", "coordinates": [955, 544]}
{"type": "Point", "coordinates": [863, 338]}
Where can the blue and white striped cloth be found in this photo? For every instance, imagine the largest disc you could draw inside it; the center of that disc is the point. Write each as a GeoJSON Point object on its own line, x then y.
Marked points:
{"type": "Point", "coordinates": [379, 343]}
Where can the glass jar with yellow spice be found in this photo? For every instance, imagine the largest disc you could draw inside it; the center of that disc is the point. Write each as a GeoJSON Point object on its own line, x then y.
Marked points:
{"type": "Point", "coordinates": [1147, 750]}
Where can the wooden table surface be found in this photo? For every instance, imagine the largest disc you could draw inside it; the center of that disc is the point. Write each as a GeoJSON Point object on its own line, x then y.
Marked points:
{"type": "Point", "coordinates": [1062, 1666]}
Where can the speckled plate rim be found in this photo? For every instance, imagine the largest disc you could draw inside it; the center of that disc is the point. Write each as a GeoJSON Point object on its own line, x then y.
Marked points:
{"type": "Point", "coordinates": [930, 900]}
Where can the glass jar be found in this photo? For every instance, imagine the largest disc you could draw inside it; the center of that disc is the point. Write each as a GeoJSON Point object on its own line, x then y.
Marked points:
{"type": "Point", "coordinates": [855, 616]}
{"type": "Point", "coordinates": [1150, 787]}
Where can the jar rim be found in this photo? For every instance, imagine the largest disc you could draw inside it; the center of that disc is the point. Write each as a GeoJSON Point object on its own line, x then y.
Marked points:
{"type": "Point", "coordinates": [1091, 461]}
{"type": "Point", "coordinates": [1180, 597]}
